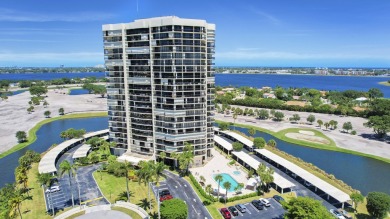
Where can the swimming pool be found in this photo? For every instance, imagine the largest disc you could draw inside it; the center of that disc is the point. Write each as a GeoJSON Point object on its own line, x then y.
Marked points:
{"type": "Point", "coordinates": [227, 178]}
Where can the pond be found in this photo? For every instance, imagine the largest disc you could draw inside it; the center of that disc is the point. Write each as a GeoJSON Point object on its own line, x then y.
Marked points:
{"type": "Point", "coordinates": [47, 135]}
{"type": "Point", "coordinates": [78, 92]}
{"type": "Point", "coordinates": [362, 173]}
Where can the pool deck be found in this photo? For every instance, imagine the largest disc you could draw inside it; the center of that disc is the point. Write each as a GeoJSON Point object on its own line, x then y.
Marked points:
{"type": "Point", "coordinates": [219, 164]}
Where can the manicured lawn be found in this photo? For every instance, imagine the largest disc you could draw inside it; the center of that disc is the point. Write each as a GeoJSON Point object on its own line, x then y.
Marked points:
{"type": "Point", "coordinates": [113, 186]}
{"type": "Point", "coordinates": [282, 135]}
{"type": "Point", "coordinates": [31, 135]}
{"type": "Point", "coordinates": [127, 211]}
{"type": "Point", "coordinates": [35, 208]}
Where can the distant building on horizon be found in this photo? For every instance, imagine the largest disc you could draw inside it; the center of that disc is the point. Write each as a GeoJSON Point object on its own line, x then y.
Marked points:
{"type": "Point", "coordinates": [160, 89]}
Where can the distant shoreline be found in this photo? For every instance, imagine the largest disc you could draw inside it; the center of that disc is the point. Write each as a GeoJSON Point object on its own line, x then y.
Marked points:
{"type": "Point", "coordinates": [378, 76]}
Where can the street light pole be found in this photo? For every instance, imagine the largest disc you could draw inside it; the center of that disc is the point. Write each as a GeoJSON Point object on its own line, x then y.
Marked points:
{"type": "Point", "coordinates": [78, 187]}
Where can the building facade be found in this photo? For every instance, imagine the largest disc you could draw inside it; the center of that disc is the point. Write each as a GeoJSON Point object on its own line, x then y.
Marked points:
{"type": "Point", "coordinates": [161, 86]}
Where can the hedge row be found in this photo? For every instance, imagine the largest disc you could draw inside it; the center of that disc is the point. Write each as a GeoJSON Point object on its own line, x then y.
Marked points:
{"type": "Point", "coordinates": [209, 198]}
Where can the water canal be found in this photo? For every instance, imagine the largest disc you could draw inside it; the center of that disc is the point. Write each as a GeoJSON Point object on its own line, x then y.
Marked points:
{"type": "Point", "coordinates": [362, 173]}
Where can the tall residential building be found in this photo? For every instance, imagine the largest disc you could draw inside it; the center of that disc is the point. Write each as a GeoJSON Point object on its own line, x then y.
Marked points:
{"type": "Point", "coordinates": [161, 85]}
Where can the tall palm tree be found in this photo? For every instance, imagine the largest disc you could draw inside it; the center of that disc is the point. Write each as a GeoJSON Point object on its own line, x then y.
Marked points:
{"type": "Point", "coordinates": [158, 170]}
{"type": "Point", "coordinates": [219, 179]}
{"type": "Point", "coordinates": [163, 155]}
{"type": "Point", "coordinates": [45, 180]}
{"type": "Point", "coordinates": [145, 174]}
{"type": "Point", "coordinates": [202, 179]}
{"type": "Point", "coordinates": [186, 158]}
{"type": "Point", "coordinates": [127, 167]}
{"type": "Point", "coordinates": [15, 201]}
{"type": "Point", "coordinates": [209, 188]}
{"type": "Point", "coordinates": [22, 178]}
{"type": "Point", "coordinates": [239, 187]}
{"type": "Point", "coordinates": [68, 168]}
{"type": "Point", "coordinates": [227, 186]}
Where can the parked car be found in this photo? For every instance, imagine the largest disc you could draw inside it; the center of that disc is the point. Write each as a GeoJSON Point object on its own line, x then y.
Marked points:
{"type": "Point", "coordinates": [241, 208]}
{"type": "Point", "coordinates": [265, 202]}
{"type": "Point", "coordinates": [165, 197]}
{"type": "Point", "coordinates": [258, 204]}
{"type": "Point", "coordinates": [53, 189]}
{"type": "Point", "coordinates": [225, 213]}
{"type": "Point", "coordinates": [336, 214]}
{"type": "Point", "coordinates": [164, 192]}
{"type": "Point", "coordinates": [278, 198]}
{"type": "Point", "coordinates": [233, 210]}
{"type": "Point", "coordinates": [345, 213]}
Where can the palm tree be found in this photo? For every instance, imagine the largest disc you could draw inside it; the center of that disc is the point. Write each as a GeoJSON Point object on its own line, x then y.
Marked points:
{"type": "Point", "coordinates": [158, 170]}
{"type": "Point", "coordinates": [145, 174]}
{"type": "Point", "coordinates": [209, 188]}
{"type": "Point", "coordinates": [22, 178]}
{"type": "Point", "coordinates": [227, 186]}
{"type": "Point", "coordinates": [64, 135]}
{"type": "Point", "coordinates": [163, 155]}
{"type": "Point", "coordinates": [186, 158]}
{"type": "Point", "coordinates": [219, 179]}
{"type": "Point", "coordinates": [67, 168]}
{"type": "Point", "coordinates": [239, 187]}
{"type": "Point", "coordinates": [127, 167]}
{"type": "Point", "coordinates": [45, 179]}
{"type": "Point", "coordinates": [15, 201]}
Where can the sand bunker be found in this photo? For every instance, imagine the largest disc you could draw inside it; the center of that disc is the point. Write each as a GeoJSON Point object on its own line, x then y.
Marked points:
{"type": "Point", "coordinates": [309, 138]}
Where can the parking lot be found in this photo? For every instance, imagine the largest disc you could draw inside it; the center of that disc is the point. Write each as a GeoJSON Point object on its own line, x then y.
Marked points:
{"type": "Point", "coordinates": [275, 211]}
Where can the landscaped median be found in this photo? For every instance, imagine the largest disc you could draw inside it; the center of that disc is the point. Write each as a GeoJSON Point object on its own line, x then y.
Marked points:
{"type": "Point", "coordinates": [32, 137]}
{"type": "Point", "coordinates": [332, 146]}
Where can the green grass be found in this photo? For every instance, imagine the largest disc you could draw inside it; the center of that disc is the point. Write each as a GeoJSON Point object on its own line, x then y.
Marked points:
{"type": "Point", "coordinates": [386, 83]}
{"type": "Point", "coordinates": [133, 214]}
{"type": "Point", "coordinates": [112, 186]}
{"type": "Point", "coordinates": [76, 215]}
{"type": "Point", "coordinates": [32, 137]}
{"type": "Point", "coordinates": [282, 135]}
{"type": "Point", "coordinates": [309, 144]}
{"type": "Point", "coordinates": [35, 208]}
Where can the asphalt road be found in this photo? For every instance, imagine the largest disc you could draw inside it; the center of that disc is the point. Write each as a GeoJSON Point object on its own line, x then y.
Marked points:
{"type": "Point", "coordinates": [89, 191]}
{"type": "Point", "coordinates": [180, 188]}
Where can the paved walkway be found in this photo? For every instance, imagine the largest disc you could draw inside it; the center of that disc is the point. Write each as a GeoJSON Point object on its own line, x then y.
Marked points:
{"type": "Point", "coordinates": [343, 140]}
{"type": "Point", "coordinates": [104, 215]}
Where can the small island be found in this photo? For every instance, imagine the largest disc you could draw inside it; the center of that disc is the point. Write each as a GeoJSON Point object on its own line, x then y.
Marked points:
{"type": "Point", "coordinates": [386, 83]}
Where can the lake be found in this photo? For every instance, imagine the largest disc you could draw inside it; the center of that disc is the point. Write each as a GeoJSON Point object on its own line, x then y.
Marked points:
{"type": "Point", "coordinates": [339, 83]}
{"type": "Point", "coordinates": [78, 92]}
{"type": "Point", "coordinates": [50, 76]}
{"type": "Point", "coordinates": [362, 173]}
{"type": "Point", "coordinates": [47, 135]}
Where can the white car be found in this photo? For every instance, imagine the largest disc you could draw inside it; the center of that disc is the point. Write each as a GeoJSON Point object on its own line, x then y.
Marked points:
{"type": "Point", "coordinates": [336, 214]}
{"type": "Point", "coordinates": [265, 202]}
{"type": "Point", "coordinates": [53, 189]}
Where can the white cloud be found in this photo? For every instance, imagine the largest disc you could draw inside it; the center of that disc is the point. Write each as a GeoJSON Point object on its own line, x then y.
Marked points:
{"type": "Point", "coordinates": [21, 16]}
{"type": "Point", "coordinates": [266, 16]}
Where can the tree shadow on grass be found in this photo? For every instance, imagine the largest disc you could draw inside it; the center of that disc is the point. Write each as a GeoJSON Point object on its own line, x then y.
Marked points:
{"type": "Point", "coordinates": [363, 216]}
{"type": "Point", "coordinates": [144, 204]}
{"type": "Point", "coordinates": [154, 215]}
{"type": "Point", "coordinates": [123, 196]}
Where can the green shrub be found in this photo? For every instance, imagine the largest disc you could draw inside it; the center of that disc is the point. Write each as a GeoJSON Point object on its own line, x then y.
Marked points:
{"type": "Point", "coordinates": [232, 162]}
{"type": "Point", "coordinates": [353, 132]}
{"type": "Point", "coordinates": [200, 189]}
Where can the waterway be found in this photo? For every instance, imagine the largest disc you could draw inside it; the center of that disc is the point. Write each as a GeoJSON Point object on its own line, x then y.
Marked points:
{"type": "Point", "coordinates": [47, 135]}
{"type": "Point", "coordinates": [339, 83]}
{"type": "Point", "coordinates": [49, 76]}
{"type": "Point", "coordinates": [78, 92]}
{"type": "Point", "coordinates": [362, 173]}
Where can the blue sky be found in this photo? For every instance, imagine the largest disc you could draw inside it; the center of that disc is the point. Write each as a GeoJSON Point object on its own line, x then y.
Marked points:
{"type": "Point", "coordinates": [283, 33]}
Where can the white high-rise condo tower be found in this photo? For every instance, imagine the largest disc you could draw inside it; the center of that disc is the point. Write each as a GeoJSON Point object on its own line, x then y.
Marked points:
{"type": "Point", "coordinates": [161, 86]}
